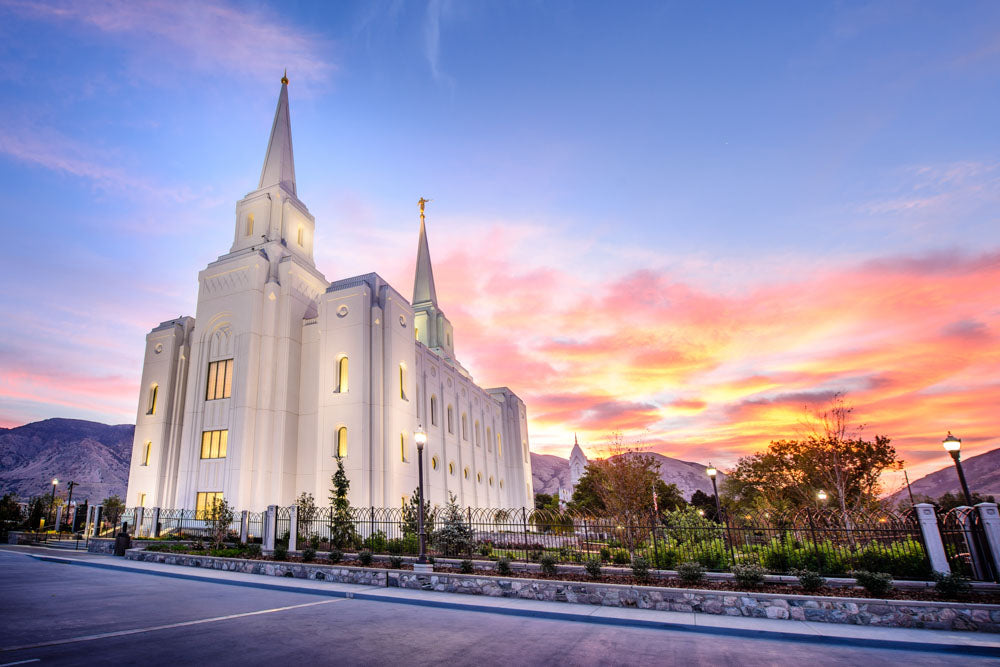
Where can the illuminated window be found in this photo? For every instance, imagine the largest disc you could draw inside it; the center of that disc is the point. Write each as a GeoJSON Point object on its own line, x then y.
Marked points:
{"type": "Point", "coordinates": [477, 433]}
{"type": "Point", "coordinates": [142, 500]}
{"type": "Point", "coordinates": [153, 391]}
{"type": "Point", "coordinates": [402, 501]}
{"type": "Point", "coordinates": [434, 463]}
{"type": "Point", "coordinates": [342, 375]}
{"type": "Point", "coordinates": [205, 505]}
{"type": "Point", "coordinates": [465, 472]}
{"type": "Point", "coordinates": [213, 444]}
{"type": "Point", "coordinates": [465, 427]}
{"type": "Point", "coordinates": [489, 438]}
{"type": "Point", "coordinates": [220, 380]}
{"type": "Point", "coordinates": [300, 235]}
{"type": "Point", "coordinates": [451, 468]}
{"type": "Point", "coordinates": [402, 381]}
{"type": "Point", "coordinates": [491, 480]}
{"type": "Point", "coordinates": [342, 442]}
{"type": "Point", "coordinates": [434, 410]}
{"type": "Point", "coordinates": [146, 453]}
{"type": "Point", "coordinates": [451, 420]}
{"type": "Point", "coordinates": [416, 333]}
{"type": "Point", "coordinates": [402, 447]}
{"type": "Point", "coordinates": [479, 477]}
{"type": "Point", "coordinates": [499, 445]}
{"type": "Point", "coordinates": [501, 483]}
{"type": "Point", "coordinates": [524, 446]}
{"type": "Point", "coordinates": [250, 224]}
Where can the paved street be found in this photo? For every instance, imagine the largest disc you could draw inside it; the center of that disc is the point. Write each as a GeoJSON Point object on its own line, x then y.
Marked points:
{"type": "Point", "coordinates": [109, 617]}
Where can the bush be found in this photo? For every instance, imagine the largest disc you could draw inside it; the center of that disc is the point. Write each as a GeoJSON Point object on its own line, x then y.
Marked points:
{"type": "Point", "coordinates": [548, 563]}
{"type": "Point", "coordinates": [314, 541]}
{"type": "Point", "coordinates": [620, 557]}
{"type": "Point", "coordinates": [485, 549]}
{"type": "Point", "coordinates": [952, 585]}
{"type": "Point", "coordinates": [280, 552]}
{"type": "Point", "coordinates": [605, 554]}
{"type": "Point", "coordinates": [876, 583]}
{"type": "Point", "coordinates": [375, 542]}
{"type": "Point", "coordinates": [308, 555]}
{"type": "Point", "coordinates": [640, 568]}
{"type": "Point", "coordinates": [593, 567]}
{"type": "Point", "coordinates": [691, 572]}
{"type": "Point", "coordinates": [336, 556]}
{"type": "Point", "coordinates": [466, 567]}
{"type": "Point", "coordinates": [365, 557]}
{"type": "Point", "coordinates": [809, 580]}
{"type": "Point", "coordinates": [712, 554]}
{"type": "Point", "coordinates": [664, 556]}
{"type": "Point", "coordinates": [749, 575]}
{"type": "Point", "coordinates": [253, 550]}
{"type": "Point", "coordinates": [396, 562]}
{"type": "Point", "coordinates": [535, 554]}
{"type": "Point", "coordinates": [503, 567]}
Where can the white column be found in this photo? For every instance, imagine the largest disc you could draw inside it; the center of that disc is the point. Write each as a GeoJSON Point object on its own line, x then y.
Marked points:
{"type": "Point", "coordinates": [990, 519]}
{"type": "Point", "coordinates": [244, 526]}
{"type": "Point", "coordinates": [139, 518]}
{"type": "Point", "coordinates": [98, 511]}
{"type": "Point", "coordinates": [154, 531]}
{"type": "Point", "coordinates": [269, 518]}
{"type": "Point", "coordinates": [59, 511]}
{"type": "Point", "coordinates": [932, 537]}
{"type": "Point", "coordinates": [293, 527]}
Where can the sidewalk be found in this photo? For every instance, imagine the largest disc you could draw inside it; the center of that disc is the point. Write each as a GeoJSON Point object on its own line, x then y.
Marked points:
{"type": "Point", "coordinates": [825, 633]}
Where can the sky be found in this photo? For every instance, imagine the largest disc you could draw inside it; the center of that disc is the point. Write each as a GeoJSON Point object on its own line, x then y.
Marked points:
{"type": "Point", "coordinates": [689, 222]}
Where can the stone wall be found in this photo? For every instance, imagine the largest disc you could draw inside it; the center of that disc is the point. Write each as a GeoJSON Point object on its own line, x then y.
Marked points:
{"type": "Point", "coordinates": [18, 537]}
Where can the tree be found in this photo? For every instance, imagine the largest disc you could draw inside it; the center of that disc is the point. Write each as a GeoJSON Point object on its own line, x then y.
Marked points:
{"type": "Point", "coordinates": [585, 496]}
{"type": "Point", "coordinates": [306, 505]}
{"type": "Point", "coordinates": [114, 507]}
{"type": "Point", "coordinates": [950, 500]}
{"type": "Point", "coordinates": [705, 503]}
{"type": "Point", "coordinates": [342, 533]}
{"type": "Point", "coordinates": [219, 517]}
{"type": "Point", "coordinates": [668, 496]}
{"type": "Point", "coordinates": [411, 524]}
{"type": "Point", "coordinates": [36, 511]}
{"type": "Point", "coordinates": [546, 501]}
{"type": "Point", "coordinates": [11, 515]}
{"type": "Point", "coordinates": [455, 536]}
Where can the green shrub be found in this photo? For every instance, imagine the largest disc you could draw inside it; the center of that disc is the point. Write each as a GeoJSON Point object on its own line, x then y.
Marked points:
{"type": "Point", "coordinates": [593, 567]}
{"type": "Point", "coordinates": [876, 583]}
{"type": "Point", "coordinates": [365, 558]}
{"type": "Point", "coordinates": [691, 572]}
{"type": "Point", "coordinates": [952, 585]}
{"type": "Point", "coordinates": [430, 559]}
{"type": "Point", "coordinates": [712, 554]}
{"type": "Point", "coordinates": [640, 568]}
{"type": "Point", "coordinates": [253, 550]}
{"type": "Point", "coordinates": [605, 554]}
{"type": "Point", "coordinates": [308, 555]}
{"type": "Point", "coordinates": [466, 567]}
{"type": "Point", "coordinates": [548, 563]}
{"type": "Point", "coordinates": [809, 580]}
{"type": "Point", "coordinates": [620, 557]}
{"type": "Point", "coordinates": [904, 560]}
{"type": "Point", "coordinates": [503, 567]}
{"type": "Point", "coordinates": [230, 552]}
{"type": "Point", "coordinates": [665, 556]}
{"type": "Point", "coordinates": [396, 562]}
{"type": "Point", "coordinates": [314, 542]}
{"type": "Point", "coordinates": [534, 554]}
{"type": "Point", "coordinates": [485, 549]}
{"type": "Point", "coordinates": [749, 575]}
{"type": "Point", "coordinates": [375, 542]}
{"type": "Point", "coordinates": [336, 556]}
{"type": "Point", "coordinates": [280, 552]}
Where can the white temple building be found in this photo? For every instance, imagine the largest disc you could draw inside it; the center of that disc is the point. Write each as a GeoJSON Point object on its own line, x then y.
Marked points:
{"type": "Point", "coordinates": [280, 371]}
{"type": "Point", "coordinates": [577, 466]}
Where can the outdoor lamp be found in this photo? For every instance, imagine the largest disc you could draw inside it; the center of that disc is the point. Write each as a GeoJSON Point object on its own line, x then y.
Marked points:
{"type": "Point", "coordinates": [711, 471]}
{"type": "Point", "coordinates": [952, 445]}
{"type": "Point", "coordinates": [420, 438]}
{"type": "Point", "coordinates": [821, 496]}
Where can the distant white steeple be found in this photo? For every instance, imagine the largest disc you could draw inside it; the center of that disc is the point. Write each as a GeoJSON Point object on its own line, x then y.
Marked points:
{"type": "Point", "coordinates": [279, 163]}
{"type": "Point", "coordinates": [577, 463]}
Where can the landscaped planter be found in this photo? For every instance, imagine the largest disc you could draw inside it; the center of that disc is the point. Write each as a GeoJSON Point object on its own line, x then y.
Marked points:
{"type": "Point", "coordinates": [21, 537]}
{"type": "Point", "coordinates": [858, 611]}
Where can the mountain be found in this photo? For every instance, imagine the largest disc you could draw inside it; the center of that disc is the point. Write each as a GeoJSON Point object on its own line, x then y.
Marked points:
{"type": "Point", "coordinates": [550, 473]}
{"type": "Point", "coordinates": [981, 472]}
{"type": "Point", "coordinates": [95, 456]}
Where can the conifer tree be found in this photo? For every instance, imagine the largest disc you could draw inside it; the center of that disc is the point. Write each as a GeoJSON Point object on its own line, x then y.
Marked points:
{"type": "Point", "coordinates": [342, 532]}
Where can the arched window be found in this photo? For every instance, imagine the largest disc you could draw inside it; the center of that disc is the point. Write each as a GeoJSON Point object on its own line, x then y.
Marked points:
{"type": "Point", "coordinates": [489, 438]}
{"type": "Point", "coordinates": [342, 374]}
{"type": "Point", "coordinates": [465, 427]}
{"type": "Point", "coordinates": [142, 500]}
{"type": "Point", "coordinates": [499, 445]}
{"type": "Point", "coordinates": [477, 433]}
{"type": "Point", "coordinates": [451, 420]}
{"type": "Point", "coordinates": [434, 410]}
{"type": "Point", "coordinates": [479, 477]}
{"type": "Point", "coordinates": [524, 446]}
{"type": "Point", "coordinates": [341, 442]}
{"type": "Point", "coordinates": [451, 468]}
{"type": "Point", "coordinates": [250, 224]}
{"type": "Point", "coordinates": [402, 381]}
{"type": "Point", "coordinates": [491, 480]}
{"type": "Point", "coordinates": [434, 463]}
{"type": "Point", "coordinates": [501, 483]}
{"type": "Point", "coordinates": [153, 391]}
{"type": "Point", "coordinates": [465, 473]}
{"type": "Point", "coordinates": [147, 452]}
{"type": "Point", "coordinates": [301, 234]}
{"type": "Point", "coordinates": [402, 447]}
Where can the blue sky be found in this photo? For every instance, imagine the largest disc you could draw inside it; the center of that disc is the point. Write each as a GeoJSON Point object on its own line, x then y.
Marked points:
{"type": "Point", "coordinates": [737, 151]}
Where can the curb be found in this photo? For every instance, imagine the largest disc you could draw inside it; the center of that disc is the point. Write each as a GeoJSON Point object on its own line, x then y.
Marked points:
{"type": "Point", "coordinates": [988, 651]}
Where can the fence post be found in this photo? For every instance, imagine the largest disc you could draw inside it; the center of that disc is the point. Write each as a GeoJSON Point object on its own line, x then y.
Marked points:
{"type": "Point", "coordinates": [140, 516]}
{"type": "Point", "coordinates": [58, 524]}
{"type": "Point", "coordinates": [524, 521]}
{"type": "Point", "coordinates": [244, 526]}
{"type": "Point", "coordinates": [269, 518]}
{"type": "Point", "coordinates": [293, 527]}
{"type": "Point", "coordinates": [990, 521]}
{"type": "Point", "coordinates": [155, 529]}
{"type": "Point", "coordinates": [98, 512]}
{"type": "Point", "coordinates": [90, 520]}
{"type": "Point", "coordinates": [927, 518]}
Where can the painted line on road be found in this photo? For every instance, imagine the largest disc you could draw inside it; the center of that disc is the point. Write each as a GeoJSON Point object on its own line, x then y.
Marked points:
{"type": "Point", "coordinates": [903, 645]}
{"type": "Point", "coordinates": [168, 626]}
{"type": "Point", "coordinates": [20, 662]}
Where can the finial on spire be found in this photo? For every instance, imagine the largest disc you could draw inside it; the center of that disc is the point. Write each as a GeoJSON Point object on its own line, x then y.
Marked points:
{"type": "Point", "coordinates": [422, 201]}
{"type": "Point", "coordinates": [284, 77]}
{"type": "Point", "coordinates": [575, 441]}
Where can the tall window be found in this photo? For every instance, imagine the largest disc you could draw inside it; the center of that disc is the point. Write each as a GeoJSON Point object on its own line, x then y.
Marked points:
{"type": "Point", "coordinates": [402, 381]}
{"type": "Point", "coordinates": [214, 444]}
{"type": "Point", "coordinates": [142, 500]}
{"type": "Point", "coordinates": [477, 433]}
{"type": "Point", "coordinates": [489, 438]}
{"type": "Point", "coordinates": [151, 410]}
{"type": "Point", "coordinates": [465, 427]}
{"type": "Point", "coordinates": [342, 442]}
{"type": "Point", "coordinates": [250, 224]}
{"type": "Point", "coordinates": [499, 445]}
{"type": "Point", "coordinates": [451, 420]}
{"type": "Point", "coordinates": [205, 504]}
{"type": "Point", "coordinates": [451, 467]}
{"type": "Point", "coordinates": [434, 410]}
{"type": "Point", "coordinates": [402, 447]}
{"type": "Point", "coordinates": [434, 463]}
{"type": "Point", "coordinates": [342, 375]}
{"type": "Point", "coordinates": [147, 451]}
{"type": "Point", "coordinates": [300, 235]}
{"type": "Point", "coordinates": [220, 379]}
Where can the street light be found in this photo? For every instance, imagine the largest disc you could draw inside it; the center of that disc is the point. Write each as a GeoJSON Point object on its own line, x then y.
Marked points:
{"type": "Point", "coordinates": [821, 496]}
{"type": "Point", "coordinates": [953, 446]}
{"type": "Point", "coordinates": [712, 472]}
{"type": "Point", "coordinates": [421, 439]}
{"type": "Point", "coordinates": [52, 502]}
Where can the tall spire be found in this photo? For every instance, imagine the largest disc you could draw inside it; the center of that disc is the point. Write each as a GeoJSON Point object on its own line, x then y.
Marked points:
{"type": "Point", "coordinates": [423, 281]}
{"type": "Point", "coordinates": [279, 165]}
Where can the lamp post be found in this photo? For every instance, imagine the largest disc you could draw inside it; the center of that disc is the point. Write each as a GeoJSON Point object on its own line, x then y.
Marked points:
{"type": "Point", "coordinates": [953, 446]}
{"type": "Point", "coordinates": [69, 501]}
{"type": "Point", "coordinates": [52, 501]}
{"type": "Point", "coordinates": [421, 439]}
{"type": "Point", "coordinates": [712, 472]}
{"type": "Point", "coordinates": [821, 497]}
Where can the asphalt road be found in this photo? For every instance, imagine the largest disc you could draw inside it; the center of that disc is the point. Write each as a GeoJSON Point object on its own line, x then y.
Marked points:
{"type": "Point", "coordinates": [121, 618]}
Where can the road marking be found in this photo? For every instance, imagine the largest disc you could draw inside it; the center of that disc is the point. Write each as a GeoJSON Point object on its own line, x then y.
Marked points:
{"type": "Point", "coordinates": [183, 624]}
{"type": "Point", "coordinates": [20, 662]}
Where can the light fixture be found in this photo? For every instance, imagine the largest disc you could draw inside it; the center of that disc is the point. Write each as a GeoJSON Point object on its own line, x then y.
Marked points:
{"type": "Point", "coordinates": [821, 496]}
{"type": "Point", "coordinates": [420, 437]}
{"type": "Point", "coordinates": [951, 444]}
{"type": "Point", "coordinates": [711, 471]}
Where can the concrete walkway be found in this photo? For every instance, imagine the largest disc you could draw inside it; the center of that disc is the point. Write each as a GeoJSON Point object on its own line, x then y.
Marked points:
{"type": "Point", "coordinates": [826, 633]}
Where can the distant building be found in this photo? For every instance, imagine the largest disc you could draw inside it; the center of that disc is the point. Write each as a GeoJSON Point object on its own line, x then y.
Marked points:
{"type": "Point", "coordinates": [285, 371]}
{"type": "Point", "coordinates": [577, 466]}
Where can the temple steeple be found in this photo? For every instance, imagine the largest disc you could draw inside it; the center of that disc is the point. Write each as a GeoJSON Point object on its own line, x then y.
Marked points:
{"type": "Point", "coordinates": [432, 328]}
{"type": "Point", "coordinates": [279, 164]}
{"type": "Point", "coordinates": [423, 281]}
